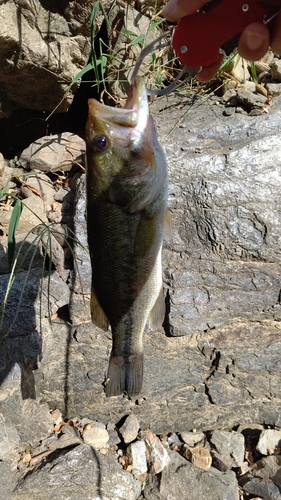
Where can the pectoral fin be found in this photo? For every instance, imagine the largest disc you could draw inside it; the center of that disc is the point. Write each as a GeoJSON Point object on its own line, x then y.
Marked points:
{"type": "Point", "coordinates": [99, 318]}
{"type": "Point", "coordinates": [157, 313]}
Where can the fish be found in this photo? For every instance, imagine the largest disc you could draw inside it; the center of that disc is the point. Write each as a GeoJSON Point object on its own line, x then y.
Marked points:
{"type": "Point", "coordinates": [126, 192]}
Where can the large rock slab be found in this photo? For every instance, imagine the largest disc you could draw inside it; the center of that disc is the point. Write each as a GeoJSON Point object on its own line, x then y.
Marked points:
{"type": "Point", "coordinates": [218, 364]}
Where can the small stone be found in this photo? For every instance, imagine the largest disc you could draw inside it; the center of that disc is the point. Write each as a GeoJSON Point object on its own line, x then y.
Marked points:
{"type": "Point", "coordinates": [230, 97]}
{"type": "Point", "coordinates": [261, 66]}
{"type": "Point", "coordinates": [274, 89]}
{"type": "Point", "coordinates": [52, 153]}
{"type": "Point", "coordinates": [192, 438]}
{"type": "Point", "coordinates": [228, 85]}
{"type": "Point", "coordinates": [231, 445]}
{"type": "Point", "coordinates": [229, 111]}
{"type": "Point", "coordinates": [276, 69]}
{"type": "Point", "coordinates": [136, 453]}
{"type": "Point", "coordinates": [96, 435]}
{"type": "Point", "coordinates": [221, 462]}
{"type": "Point", "coordinates": [157, 455]}
{"type": "Point", "coordinates": [261, 89]}
{"type": "Point", "coordinates": [248, 85]}
{"type": "Point", "coordinates": [240, 71]}
{"type": "Point", "coordinates": [130, 428]}
{"type": "Point", "coordinates": [256, 112]}
{"type": "Point", "coordinates": [174, 442]}
{"type": "Point", "coordinates": [269, 442]}
{"type": "Point", "coordinates": [250, 99]}
{"type": "Point", "coordinates": [198, 456]}
{"type": "Point", "coordinates": [56, 416]}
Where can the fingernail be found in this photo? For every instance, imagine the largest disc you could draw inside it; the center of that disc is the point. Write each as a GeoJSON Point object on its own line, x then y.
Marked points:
{"type": "Point", "coordinates": [255, 40]}
{"type": "Point", "coordinates": [171, 11]}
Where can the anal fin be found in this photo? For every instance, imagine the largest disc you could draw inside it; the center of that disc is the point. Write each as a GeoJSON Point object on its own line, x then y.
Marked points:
{"type": "Point", "coordinates": [157, 313]}
{"type": "Point", "coordinates": [99, 317]}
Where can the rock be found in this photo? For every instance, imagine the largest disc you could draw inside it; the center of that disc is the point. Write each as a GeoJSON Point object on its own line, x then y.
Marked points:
{"type": "Point", "coordinates": [2, 167]}
{"type": "Point", "coordinates": [268, 468]}
{"type": "Point", "coordinates": [137, 458]}
{"type": "Point", "coordinates": [273, 89]}
{"type": "Point", "coordinates": [9, 442]}
{"type": "Point", "coordinates": [44, 56]}
{"type": "Point", "coordinates": [41, 186]}
{"type": "Point", "coordinates": [96, 435]}
{"type": "Point", "coordinates": [250, 99]}
{"type": "Point", "coordinates": [198, 456]}
{"type": "Point", "coordinates": [230, 97]}
{"type": "Point", "coordinates": [130, 428]}
{"type": "Point", "coordinates": [248, 85]}
{"type": "Point", "coordinates": [92, 473]}
{"type": "Point", "coordinates": [265, 489]}
{"type": "Point", "coordinates": [157, 455]}
{"type": "Point", "coordinates": [261, 67]}
{"type": "Point", "coordinates": [276, 69]}
{"type": "Point", "coordinates": [8, 480]}
{"type": "Point", "coordinates": [269, 442]}
{"type": "Point", "coordinates": [180, 477]}
{"type": "Point", "coordinates": [230, 445]}
{"type": "Point", "coordinates": [174, 442]}
{"type": "Point", "coordinates": [240, 71]}
{"type": "Point", "coordinates": [192, 438]}
{"type": "Point", "coordinates": [53, 153]}
{"type": "Point", "coordinates": [261, 89]}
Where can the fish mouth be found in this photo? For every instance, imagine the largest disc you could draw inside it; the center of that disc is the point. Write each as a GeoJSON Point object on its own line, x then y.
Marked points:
{"type": "Point", "coordinates": [134, 114]}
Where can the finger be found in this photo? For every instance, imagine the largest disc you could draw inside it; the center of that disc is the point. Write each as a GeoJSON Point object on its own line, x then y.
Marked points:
{"type": "Point", "coordinates": [176, 9]}
{"type": "Point", "coordinates": [207, 73]}
{"type": "Point", "coordinates": [254, 41]}
{"type": "Point", "coordinates": [275, 42]}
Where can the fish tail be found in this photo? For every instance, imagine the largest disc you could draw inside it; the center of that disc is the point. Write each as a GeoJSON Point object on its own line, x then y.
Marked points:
{"type": "Point", "coordinates": [124, 375]}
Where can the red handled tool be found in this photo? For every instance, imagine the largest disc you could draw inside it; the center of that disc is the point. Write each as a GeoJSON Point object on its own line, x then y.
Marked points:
{"type": "Point", "coordinates": [199, 37]}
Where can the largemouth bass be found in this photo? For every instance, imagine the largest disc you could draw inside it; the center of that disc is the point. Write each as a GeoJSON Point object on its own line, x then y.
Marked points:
{"type": "Point", "coordinates": [127, 185]}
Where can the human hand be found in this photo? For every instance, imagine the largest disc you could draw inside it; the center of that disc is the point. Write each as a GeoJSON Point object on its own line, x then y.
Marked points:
{"type": "Point", "coordinates": [254, 40]}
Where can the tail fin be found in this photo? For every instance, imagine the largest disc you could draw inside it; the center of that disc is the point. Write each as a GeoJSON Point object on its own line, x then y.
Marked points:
{"type": "Point", "coordinates": [124, 375]}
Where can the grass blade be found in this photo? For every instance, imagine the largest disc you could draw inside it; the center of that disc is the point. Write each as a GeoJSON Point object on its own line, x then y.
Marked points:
{"type": "Point", "coordinates": [14, 221]}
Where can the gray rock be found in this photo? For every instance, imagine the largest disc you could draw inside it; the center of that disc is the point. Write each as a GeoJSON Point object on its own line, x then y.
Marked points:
{"type": "Point", "coordinates": [268, 468]}
{"type": "Point", "coordinates": [266, 489]}
{"type": "Point", "coordinates": [34, 56]}
{"type": "Point", "coordinates": [192, 438]}
{"type": "Point", "coordinates": [180, 477]}
{"type": "Point", "coordinates": [137, 458]}
{"type": "Point", "coordinates": [96, 435]}
{"type": "Point", "coordinates": [8, 481]}
{"type": "Point", "coordinates": [229, 444]}
{"type": "Point", "coordinates": [52, 153]}
{"type": "Point", "coordinates": [250, 99]}
{"type": "Point", "coordinates": [130, 428]}
{"type": "Point", "coordinates": [274, 89]}
{"type": "Point", "coordinates": [269, 442]}
{"type": "Point", "coordinates": [78, 473]}
{"type": "Point", "coordinates": [9, 442]}
{"type": "Point", "coordinates": [157, 455]}
{"type": "Point", "coordinates": [276, 69]}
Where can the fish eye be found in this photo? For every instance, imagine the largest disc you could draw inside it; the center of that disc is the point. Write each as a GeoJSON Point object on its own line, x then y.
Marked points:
{"type": "Point", "coordinates": [100, 143]}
